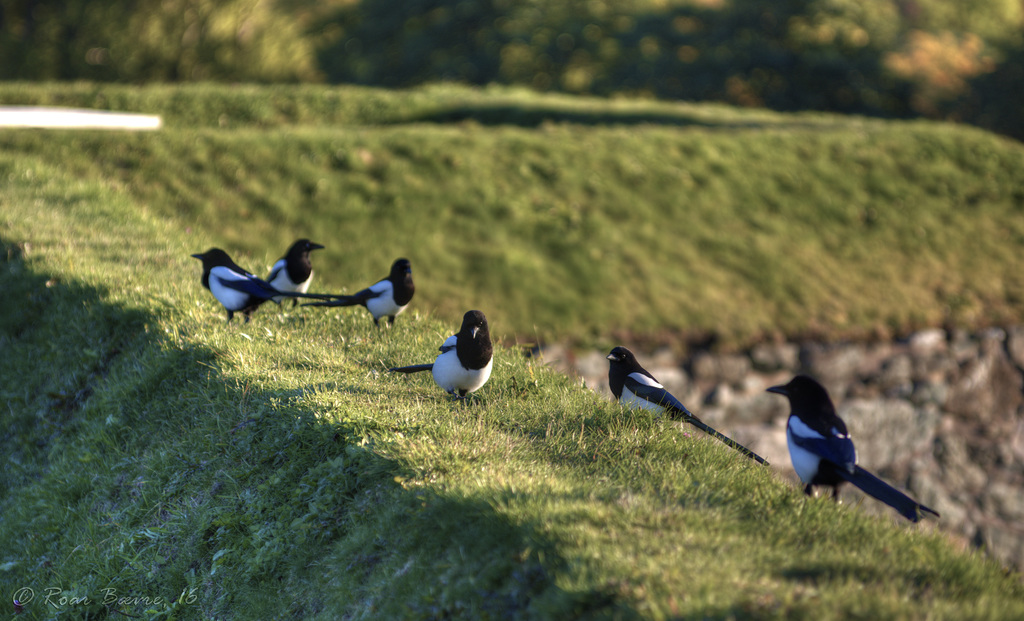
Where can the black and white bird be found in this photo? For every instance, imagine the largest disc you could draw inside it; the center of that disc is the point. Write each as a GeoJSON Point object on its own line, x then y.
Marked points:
{"type": "Point", "coordinates": [635, 387]}
{"type": "Point", "coordinates": [293, 272]}
{"type": "Point", "coordinates": [466, 358]}
{"type": "Point", "coordinates": [823, 454]}
{"type": "Point", "coordinates": [237, 290]}
{"type": "Point", "coordinates": [386, 298]}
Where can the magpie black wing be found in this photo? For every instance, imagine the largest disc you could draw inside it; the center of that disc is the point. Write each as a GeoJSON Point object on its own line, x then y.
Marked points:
{"type": "Point", "coordinates": [655, 393]}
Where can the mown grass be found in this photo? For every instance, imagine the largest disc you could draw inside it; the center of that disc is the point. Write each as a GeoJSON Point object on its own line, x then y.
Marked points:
{"type": "Point", "coordinates": [272, 470]}
{"type": "Point", "coordinates": [580, 219]}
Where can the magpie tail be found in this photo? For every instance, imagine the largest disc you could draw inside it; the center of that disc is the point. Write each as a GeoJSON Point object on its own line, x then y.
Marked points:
{"type": "Point", "coordinates": [711, 431]}
{"type": "Point", "coordinates": [880, 490]}
{"type": "Point", "coordinates": [309, 296]}
{"type": "Point", "coordinates": [413, 369]}
{"type": "Point", "coordinates": [334, 300]}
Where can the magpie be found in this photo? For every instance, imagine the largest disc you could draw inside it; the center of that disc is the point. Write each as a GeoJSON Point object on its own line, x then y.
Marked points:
{"type": "Point", "coordinates": [236, 289]}
{"type": "Point", "coordinates": [389, 297]}
{"type": "Point", "coordinates": [293, 271]}
{"type": "Point", "coordinates": [466, 358]}
{"type": "Point", "coordinates": [822, 452]}
{"type": "Point", "coordinates": [634, 386]}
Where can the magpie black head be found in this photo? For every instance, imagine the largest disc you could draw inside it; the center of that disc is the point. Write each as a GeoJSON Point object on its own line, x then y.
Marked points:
{"type": "Point", "coordinates": [401, 280]}
{"type": "Point", "coordinates": [214, 257]}
{"type": "Point", "coordinates": [399, 269]}
{"type": "Point", "coordinates": [807, 398]}
{"type": "Point", "coordinates": [622, 357]}
{"type": "Point", "coordinates": [297, 261]}
{"type": "Point", "coordinates": [474, 341]}
{"type": "Point", "coordinates": [302, 247]}
{"type": "Point", "coordinates": [621, 364]}
{"type": "Point", "coordinates": [474, 325]}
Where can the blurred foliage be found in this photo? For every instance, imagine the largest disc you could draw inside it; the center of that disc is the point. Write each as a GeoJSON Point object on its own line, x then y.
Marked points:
{"type": "Point", "coordinates": [939, 67]}
{"type": "Point", "coordinates": [995, 98]}
{"type": "Point", "coordinates": [754, 52]}
{"type": "Point", "coordinates": [881, 57]}
{"type": "Point", "coordinates": [153, 40]}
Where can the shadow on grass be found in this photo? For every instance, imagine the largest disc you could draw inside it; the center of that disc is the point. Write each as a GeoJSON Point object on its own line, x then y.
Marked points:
{"type": "Point", "coordinates": [820, 573]}
{"type": "Point", "coordinates": [319, 388]}
{"type": "Point", "coordinates": [204, 482]}
{"type": "Point", "coordinates": [59, 340]}
{"type": "Point", "coordinates": [533, 116]}
{"type": "Point", "coordinates": [451, 556]}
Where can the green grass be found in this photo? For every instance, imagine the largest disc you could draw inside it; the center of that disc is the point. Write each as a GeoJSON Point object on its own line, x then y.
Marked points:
{"type": "Point", "coordinates": [273, 470]}
{"type": "Point", "coordinates": [579, 220]}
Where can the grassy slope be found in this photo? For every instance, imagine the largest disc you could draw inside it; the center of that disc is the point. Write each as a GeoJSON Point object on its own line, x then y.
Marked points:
{"type": "Point", "coordinates": [271, 470]}
{"type": "Point", "coordinates": [277, 473]}
{"type": "Point", "coordinates": [579, 219]}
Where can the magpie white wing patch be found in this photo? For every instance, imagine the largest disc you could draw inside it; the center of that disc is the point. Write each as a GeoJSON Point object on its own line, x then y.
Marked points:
{"type": "Point", "coordinates": [280, 280]}
{"type": "Point", "coordinates": [276, 271]}
{"type": "Point", "coordinates": [837, 447]}
{"type": "Point", "coordinates": [232, 299]}
{"type": "Point", "coordinates": [640, 378]}
{"type": "Point", "coordinates": [805, 462]}
{"type": "Point", "coordinates": [383, 303]}
{"type": "Point", "coordinates": [227, 274]}
{"type": "Point", "coordinates": [632, 400]}
{"type": "Point", "coordinates": [449, 343]}
{"type": "Point", "coordinates": [383, 287]}
{"type": "Point", "coordinates": [801, 430]}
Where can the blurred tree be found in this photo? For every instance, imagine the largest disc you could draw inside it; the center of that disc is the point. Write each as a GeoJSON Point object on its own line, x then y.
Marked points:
{"type": "Point", "coordinates": [939, 66]}
{"type": "Point", "coordinates": [996, 99]}
{"type": "Point", "coordinates": [238, 40]}
{"type": "Point", "coordinates": [822, 54]}
{"type": "Point", "coordinates": [402, 43]}
{"type": "Point", "coordinates": [882, 57]}
{"type": "Point", "coordinates": [997, 22]}
{"type": "Point", "coordinates": [147, 40]}
{"type": "Point", "coordinates": [49, 40]}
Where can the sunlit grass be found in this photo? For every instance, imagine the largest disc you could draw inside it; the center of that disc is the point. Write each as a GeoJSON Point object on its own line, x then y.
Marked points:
{"type": "Point", "coordinates": [579, 219]}
{"type": "Point", "coordinates": [274, 470]}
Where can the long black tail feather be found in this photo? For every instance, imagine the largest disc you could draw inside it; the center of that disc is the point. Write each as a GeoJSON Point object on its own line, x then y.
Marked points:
{"type": "Point", "coordinates": [711, 431]}
{"type": "Point", "coordinates": [416, 368]}
{"type": "Point", "coordinates": [880, 490]}
{"type": "Point", "coordinates": [335, 300]}
{"type": "Point", "coordinates": [310, 296]}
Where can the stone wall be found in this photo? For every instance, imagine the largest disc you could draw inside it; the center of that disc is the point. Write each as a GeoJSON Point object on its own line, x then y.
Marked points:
{"type": "Point", "coordinates": [940, 415]}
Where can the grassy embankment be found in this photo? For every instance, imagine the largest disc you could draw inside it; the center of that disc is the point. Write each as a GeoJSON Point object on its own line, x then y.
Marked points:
{"type": "Point", "coordinates": [272, 470]}
{"type": "Point", "coordinates": [576, 219]}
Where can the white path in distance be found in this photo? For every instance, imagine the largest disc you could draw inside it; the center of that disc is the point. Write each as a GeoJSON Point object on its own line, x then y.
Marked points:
{"type": "Point", "coordinates": [75, 118]}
